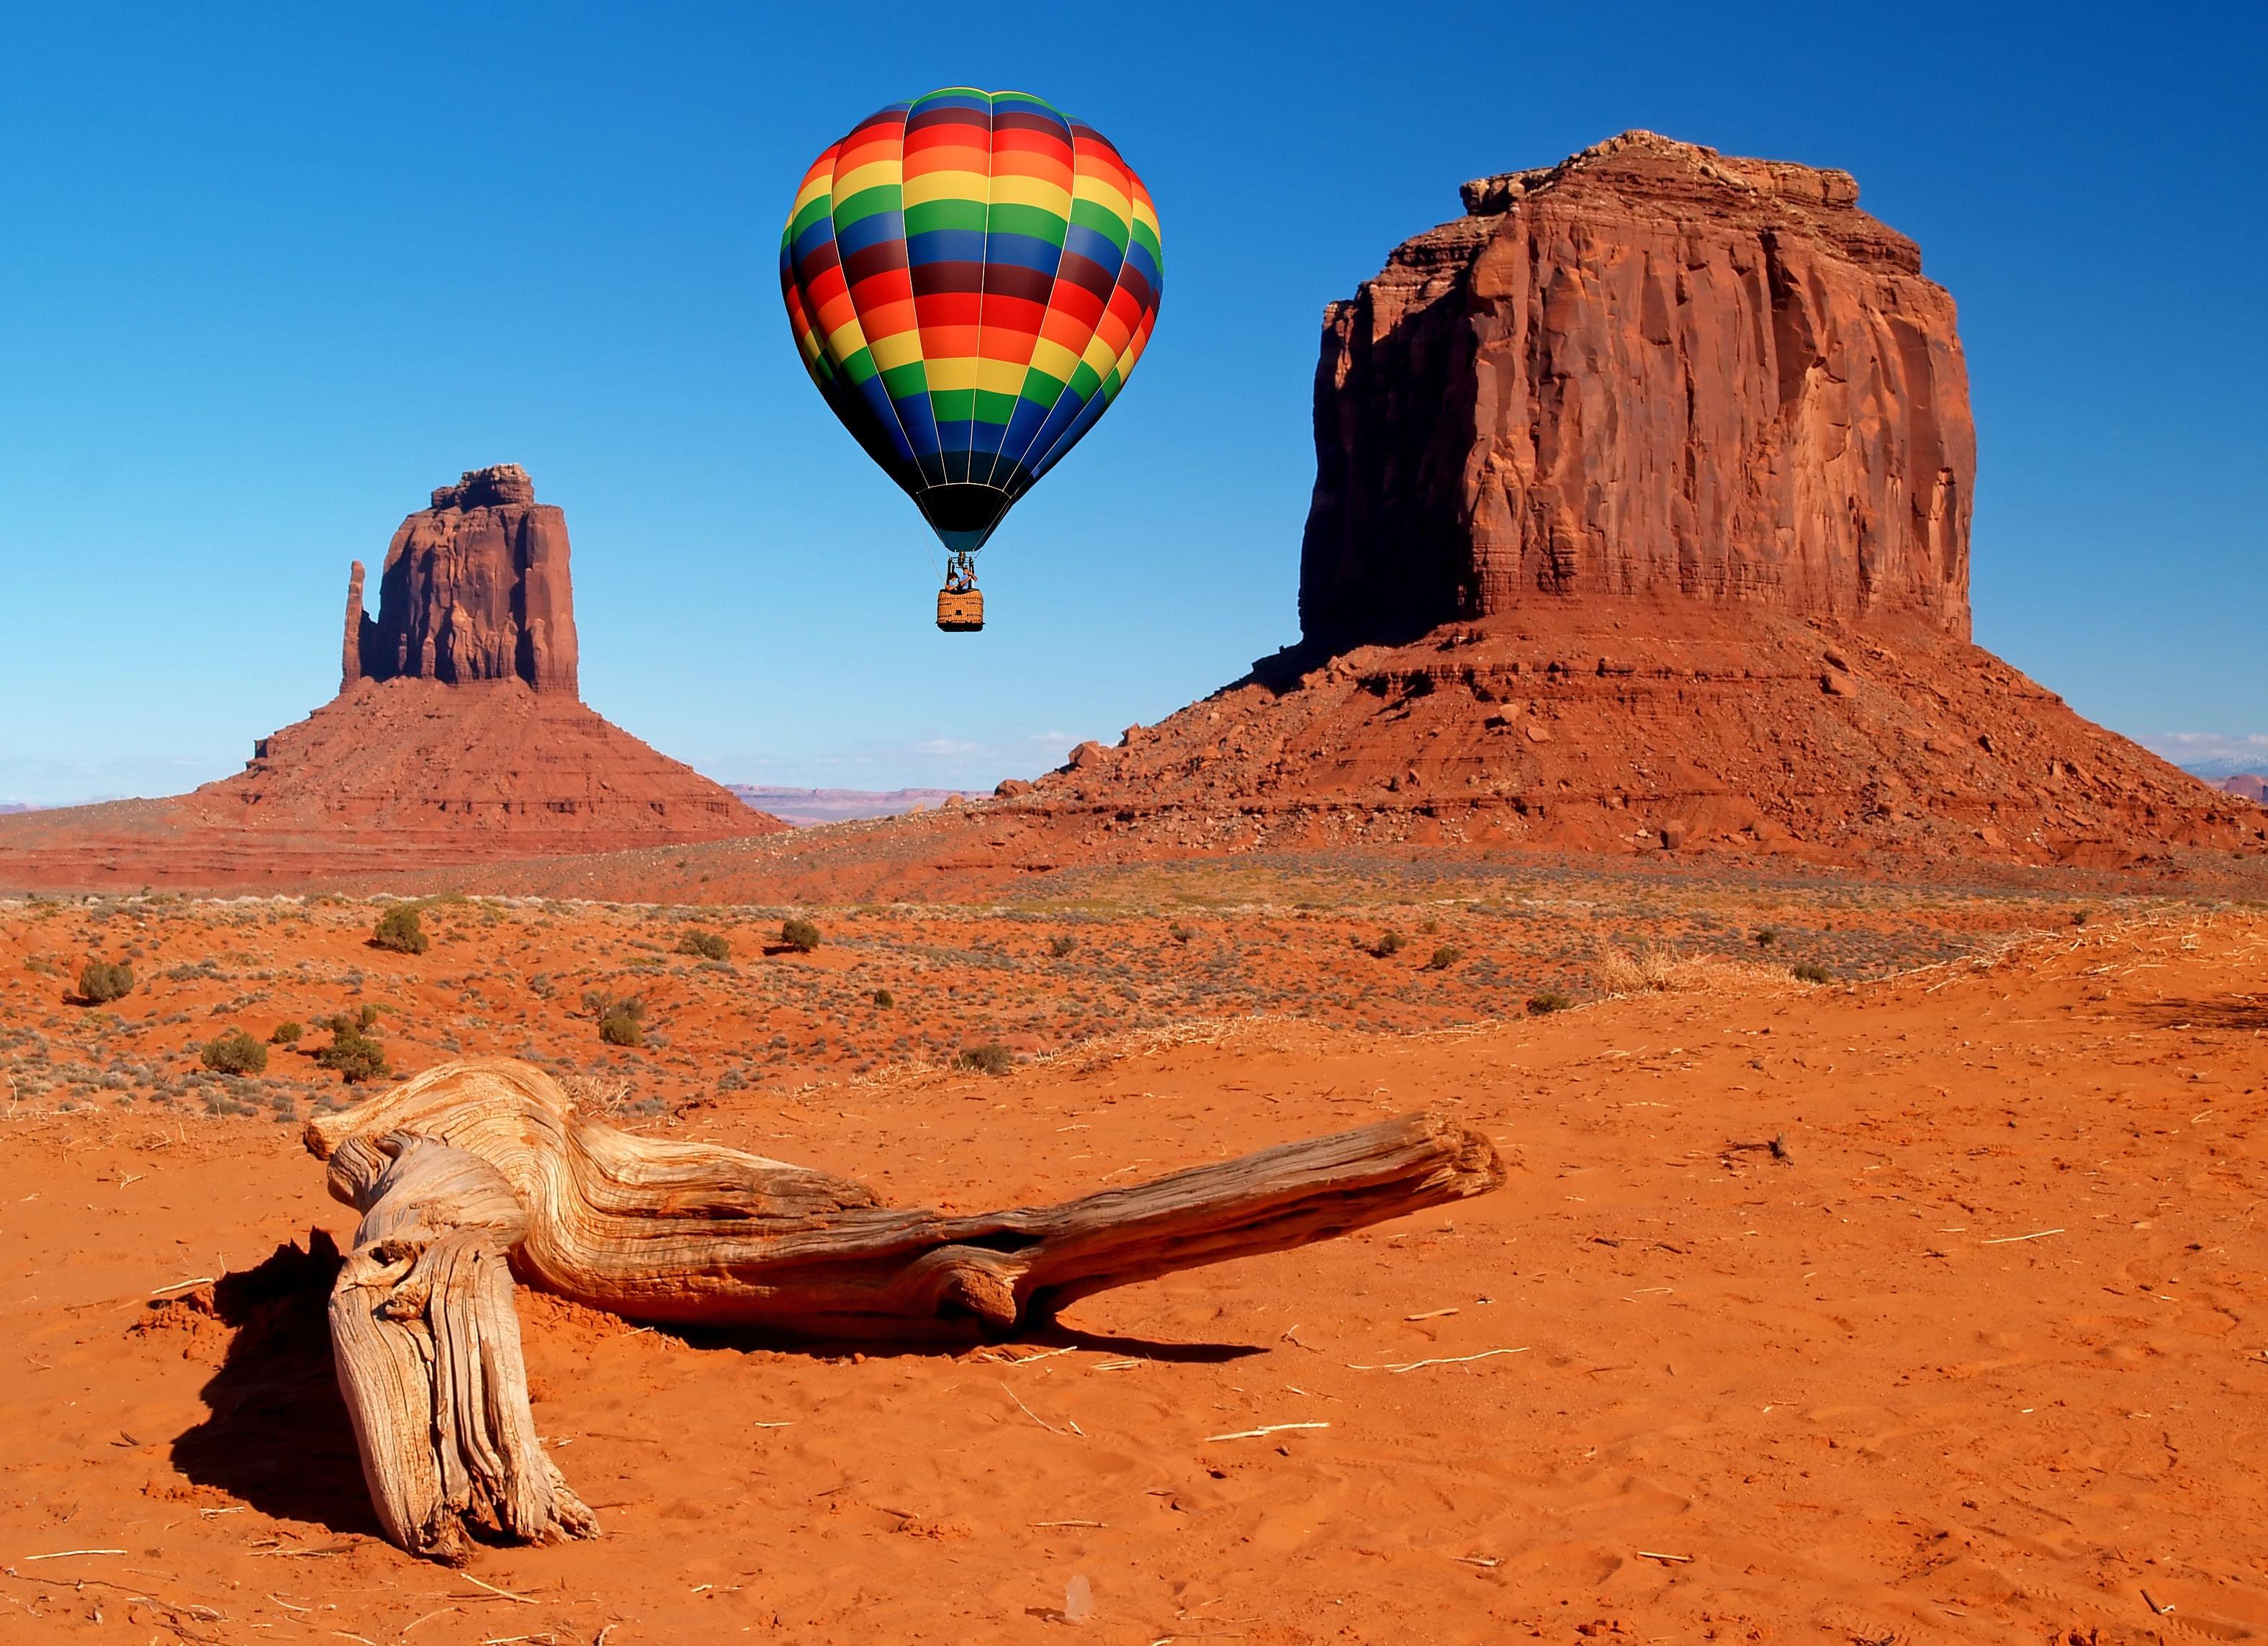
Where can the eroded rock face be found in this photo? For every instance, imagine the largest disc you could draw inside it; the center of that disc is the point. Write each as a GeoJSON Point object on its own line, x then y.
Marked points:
{"type": "Point", "coordinates": [474, 587]}
{"type": "Point", "coordinates": [1649, 371]}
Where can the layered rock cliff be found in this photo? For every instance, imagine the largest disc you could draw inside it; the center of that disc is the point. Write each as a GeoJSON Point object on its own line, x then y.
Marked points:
{"type": "Point", "coordinates": [1649, 371]}
{"type": "Point", "coordinates": [474, 588]}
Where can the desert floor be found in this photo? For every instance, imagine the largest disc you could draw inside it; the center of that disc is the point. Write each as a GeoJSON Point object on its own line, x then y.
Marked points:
{"type": "Point", "coordinates": [1971, 1356]}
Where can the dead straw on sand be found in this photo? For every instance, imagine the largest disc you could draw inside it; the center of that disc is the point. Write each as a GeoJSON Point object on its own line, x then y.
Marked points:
{"type": "Point", "coordinates": [1265, 1429]}
{"type": "Point", "coordinates": [1441, 1359]}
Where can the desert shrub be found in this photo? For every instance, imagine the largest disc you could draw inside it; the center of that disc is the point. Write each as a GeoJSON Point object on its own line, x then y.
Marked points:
{"type": "Point", "coordinates": [1811, 971]}
{"type": "Point", "coordinates": [103, 981]}
{"type": "Point", "coordinates": [1549, 1000]}
{"type": "Point", "coordinates": [706, 945]}
{"type": "Point", "coordinates": [1063, 945]}
{"type": "Point", "coordinates": [1387, 946]}
{"type": "Point", "coordinates": [233, 1052]}
{"type": "Point", "coordinates": [44, 967]}
{"type": "Point", "coordinates": [1766, 937]}
{"type": "Point", "coordinates": [1443, 957]}
{"type": "Point", "coordinates": [621, 1023]}
{"type": "Point", "coordinates": [400, 931]}
{"type": "Point", "coordinates": [352, 1054]}
{"type": "Point", "coordinates": [285, 1035]}
{"type": "Point", "coordinates": [1179, 933]}
{"type": "Point", "coordinates": [884, 998]}
{"type": "Point", "coordinates": [799, 934]}
{"type": "Point", "coordinates": [991, 1057]}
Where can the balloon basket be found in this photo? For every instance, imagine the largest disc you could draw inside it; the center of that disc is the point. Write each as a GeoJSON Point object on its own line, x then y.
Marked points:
{"type": "Point", "coordinates": [960, 611]}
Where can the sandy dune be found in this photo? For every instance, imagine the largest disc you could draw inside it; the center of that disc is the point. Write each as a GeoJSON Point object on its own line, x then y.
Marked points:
{"type": "Point", "coordinates": [1974, 1361]}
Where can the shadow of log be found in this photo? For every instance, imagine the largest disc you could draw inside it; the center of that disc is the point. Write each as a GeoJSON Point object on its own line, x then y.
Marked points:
{"type": "Point", "coordinates": [947, 1338]}
{"type": "Point", "coordinates": [2239, 1014]}
{"type": "Point", "coordinates": [278, 1437]}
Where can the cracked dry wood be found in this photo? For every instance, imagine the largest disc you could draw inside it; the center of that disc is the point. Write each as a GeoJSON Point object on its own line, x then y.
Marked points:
{"type": "Point", "coordinates": [427, 1348]}
{"type": "Point", "coordinates": [473, 1161]}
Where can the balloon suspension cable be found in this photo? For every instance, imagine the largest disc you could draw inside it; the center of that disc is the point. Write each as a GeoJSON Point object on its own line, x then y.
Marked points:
{"type": "Point", "coordinates": [960, 571]}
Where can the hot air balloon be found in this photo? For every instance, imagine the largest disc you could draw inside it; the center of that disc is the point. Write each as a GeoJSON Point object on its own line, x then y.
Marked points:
{"type": "Point", "coordinates": [970, 277]}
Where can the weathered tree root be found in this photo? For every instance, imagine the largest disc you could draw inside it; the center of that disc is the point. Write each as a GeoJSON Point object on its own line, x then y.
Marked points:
{"type": "Point", "coordinates": [474, 1162]}
{"type": "Point", "coordinates": [427, 1346]}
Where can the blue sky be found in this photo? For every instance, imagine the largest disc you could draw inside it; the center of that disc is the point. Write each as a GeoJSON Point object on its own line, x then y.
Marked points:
{"type": "Point", "coordinates": [269, 275]}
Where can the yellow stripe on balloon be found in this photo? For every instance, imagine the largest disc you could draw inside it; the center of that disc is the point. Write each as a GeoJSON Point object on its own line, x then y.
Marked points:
{"type": "Point", "coordinates": [899, 349]}
{"type": "Point", "coordinates": [924, 186]}
{"type": "Point", "coordinates": [959, 372]}
{"type": "Point", "coordinates": [1000, 377]}
{"type": "Point", "coordinates": [1053, 358]}
{"type": "Point", "coordinates": [873, 175]}
{"type": "Point", "coordinates": [1099, 355]}
{"type": "Point", "coordinates": [1045, 193]}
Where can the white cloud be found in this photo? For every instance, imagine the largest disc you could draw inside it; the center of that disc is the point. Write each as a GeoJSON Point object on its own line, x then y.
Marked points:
{"type": "Point", "coordinates": [943, 746]}
{"type": "Point", "coordinates": [2213, 754]}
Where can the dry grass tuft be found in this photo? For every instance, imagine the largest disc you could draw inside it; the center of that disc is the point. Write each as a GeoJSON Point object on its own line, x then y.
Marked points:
{"type": "Point", "coordinates": [601, 1094]}
{"type": "Point", "coordinates": [1658, 971]}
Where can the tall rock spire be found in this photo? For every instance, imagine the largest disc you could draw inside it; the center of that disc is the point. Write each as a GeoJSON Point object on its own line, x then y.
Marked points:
{"type": "Point", "coordinates": [474, 587]}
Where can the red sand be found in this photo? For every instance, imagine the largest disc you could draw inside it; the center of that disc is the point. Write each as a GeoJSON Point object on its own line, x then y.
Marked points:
{"type": "Point", "coordinates": [1971, 1364]}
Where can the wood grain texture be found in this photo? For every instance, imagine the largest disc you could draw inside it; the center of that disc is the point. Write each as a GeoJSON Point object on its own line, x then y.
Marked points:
{"type": "Point", "coordinates": [427, 1348]}
{"type": "Point", "coordinates": [471, 1163]}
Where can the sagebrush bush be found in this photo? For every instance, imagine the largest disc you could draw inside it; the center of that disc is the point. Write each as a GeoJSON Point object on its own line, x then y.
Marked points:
{"type": "Point", "coordinates": [1063, 945]}
{"type": "Point", "coordinates": [1388, 945]}
{"type": "Point", "coordinates": [1179, 933]}
{"type": "Point", "coordinates": [233, 1052]}
{"type": "Point", "coordinates": [400, 931]}
{"type": "Point", "coordinates": [1549, 1000]}
{"type": "Point", "coordinates": [991, 1057]}
{"type": "Point", "coordinates": [1443, 957]}
{"type": "Point", "coordinates": [286, 1034]}
{"type": "Point", "coordinates": [799, 934]}
{"type": "Point", "coordinates": [1811, 971]}
{"type": "Point", "coordinates": [352, 1054]}
{"type": "Point", "coordinates": [706, 945]}
{"type": "Point", "coordinates": [103, 981]}
{"type": "Point", "coordinates": [884, 998]}
{"type": "Point", "coordinates": [622, 1022]}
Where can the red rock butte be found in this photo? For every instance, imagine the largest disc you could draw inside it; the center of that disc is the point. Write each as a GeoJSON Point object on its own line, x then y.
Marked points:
{"type": "Point", "coordinates": [1641, 522]}
{"type": "Point", "coordinates": [457, 737]}
{"type": "Point", "coordinates": [1650, 371]}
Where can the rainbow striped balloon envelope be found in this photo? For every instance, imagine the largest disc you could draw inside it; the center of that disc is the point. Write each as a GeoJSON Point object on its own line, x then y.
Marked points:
{"type": "Point", "coordinates": [970, 276]}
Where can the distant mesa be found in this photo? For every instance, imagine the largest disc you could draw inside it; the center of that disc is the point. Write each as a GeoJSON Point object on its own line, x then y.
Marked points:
{"type": "Point", "coordinates": [2251, 786]}
{"type": "Point", "coordinates": [808, 808]}
{"type": "Point", "coordinates": [458, 736]}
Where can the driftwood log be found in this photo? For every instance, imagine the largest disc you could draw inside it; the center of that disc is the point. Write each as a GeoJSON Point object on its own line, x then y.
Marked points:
{"type": "Point", "coordinates": [476, 1170]}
